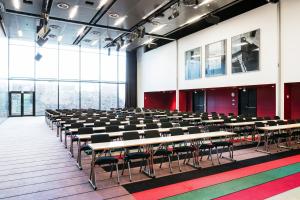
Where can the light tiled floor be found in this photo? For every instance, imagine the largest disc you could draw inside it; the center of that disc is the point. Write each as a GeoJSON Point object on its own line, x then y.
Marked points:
{"type": "Point", "coordinates": [35, 165]}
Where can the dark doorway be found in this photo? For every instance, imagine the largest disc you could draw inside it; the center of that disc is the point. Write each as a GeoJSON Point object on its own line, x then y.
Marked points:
{"type": "Point", "coordinates": [247, 102]}
{"type": "Point", "coordinates": [198, 101]}
{"type": "Point", "coordinates": [21, 104]}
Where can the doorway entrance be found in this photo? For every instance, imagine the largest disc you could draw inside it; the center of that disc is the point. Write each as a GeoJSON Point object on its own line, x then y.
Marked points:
{"type": "Point", "coordinates": [21, 104]}
{"type": "Point", "coordinates": [247, 102]}
{"type": "Point", "coordinates": [198, 101]}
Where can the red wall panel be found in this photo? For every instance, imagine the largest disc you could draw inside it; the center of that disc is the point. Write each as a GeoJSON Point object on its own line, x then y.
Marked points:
{"type": "Point", "coordinates": [160, 100]}
{"type": "Point", "coordinates": [266, 101]}
{"type": "Point", "coordinates": [292, 101]}
{"type": "Point", "coordinates": [185, 101]}
{"type": "Point", "coordinates": [221, 100]}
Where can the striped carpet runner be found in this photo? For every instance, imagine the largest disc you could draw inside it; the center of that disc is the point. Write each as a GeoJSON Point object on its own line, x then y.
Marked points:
{"type": "Point", "coordinates": [259, 181]}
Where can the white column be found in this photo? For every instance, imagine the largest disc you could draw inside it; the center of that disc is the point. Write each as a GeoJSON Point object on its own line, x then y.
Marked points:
{"type": "Point", "coordinates": [177, 70]}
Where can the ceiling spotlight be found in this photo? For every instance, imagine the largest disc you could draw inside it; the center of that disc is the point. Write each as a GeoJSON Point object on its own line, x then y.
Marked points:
{"type": "Point", "coordinates": [73, 12]}
{"type": "Point", "coordinates": [63, 6]}
{"type": "Point", "coordinates": [87, 40]}
{"type": "Point", "coordinates": [175, 14]}
{"type": "Point", "coordinates": [101, 4]}
{"type": "Point", "coordinates": [141, 32]}
{"type": "Point", "coordinates": [108, 39]}
{"type": "Point", "coordinates": [55, 27]}
{"type": "Point", "coordinates": [118, 46]}
{"type": "Point", "coordinates": [122, 42]}
{"type": "Point", "coordinates": [95, 32]}
{"type": "Point", "coordinates": [120, 20]}
{"type": "Point", "coordinates": [52, 36]}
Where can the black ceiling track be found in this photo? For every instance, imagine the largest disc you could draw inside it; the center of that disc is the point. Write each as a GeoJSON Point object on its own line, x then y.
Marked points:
{"type": "Point", "coordinates": [94, 20]}
{"type": "Point", "coordinates": [37, 16]}
{"type": "Point", "coordinates": [229, 11]}
{"type": "Point", "coordinates": [46, 8]}
{"type": "Point", "coordinates": [144, 21]}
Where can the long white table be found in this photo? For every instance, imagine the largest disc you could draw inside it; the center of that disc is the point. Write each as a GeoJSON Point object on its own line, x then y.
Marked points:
{"type": "Point", "coordinates": [148, 145]}
{"type": "Point", "coordinates": [269, 131]}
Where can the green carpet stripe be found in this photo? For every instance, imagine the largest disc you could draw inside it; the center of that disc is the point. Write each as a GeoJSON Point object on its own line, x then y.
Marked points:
{"type": "Point", "coordinates": [238, 184]}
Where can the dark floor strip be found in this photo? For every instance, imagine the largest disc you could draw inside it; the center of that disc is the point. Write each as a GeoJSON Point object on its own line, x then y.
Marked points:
{"type": "Point", "coordinates": [176, 178]}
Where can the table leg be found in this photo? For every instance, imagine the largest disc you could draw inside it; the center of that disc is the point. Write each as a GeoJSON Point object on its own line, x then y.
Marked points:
{"type": "Point", "coordinates": [150, 171]}
{"type": "Point", "coordinates": [79, 165]}
{"type": "Point", "coordinates": [92, 178]}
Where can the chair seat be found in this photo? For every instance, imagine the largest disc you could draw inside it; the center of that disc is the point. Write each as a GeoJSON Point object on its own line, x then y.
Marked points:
{"type": "Point", "coordinates": [136, 155]}
{"type": "Point", "coordinates": [106, 160]}
{"type": "Point", "coordinates": [222, 143]}
{"type": "Point", "coordinates": [162, 152]}
{"type": "Point", "coordinates": [206, 146]}
{"type": "Point", "coordinates": [183, 149]}
{"type": "Point", "coordinates": [85, 147]}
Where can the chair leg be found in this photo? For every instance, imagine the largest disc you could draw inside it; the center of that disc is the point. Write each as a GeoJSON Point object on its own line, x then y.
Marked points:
{"type": "Point", "coordinates": [218, 155]}
{"type": "Point", "coordinates": [117, 170]}
{"type": "Point", "coordinates": [141, 164]}
{"type": "Point", "coordinates": [170, 164]}
{"type": "Point", "coordinates": [210, 154]}
{"type": "Point", "coordinates": [123, 168]}
{"type": "Point", "coordinates": [129, 170]}
{"type": "Point", "coordinates": [178, 159]}
{"type": "Point", "coordinates": [111, 170]}
{"type": "Point", "coordinates": [161, 161]}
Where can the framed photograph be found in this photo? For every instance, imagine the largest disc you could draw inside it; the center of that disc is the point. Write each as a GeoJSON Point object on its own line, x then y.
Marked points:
{"type": "Point", "coordinates": [215, 59]}
{"type": "Point", "coordinates": [193, 61]}
{"type": "Point", "coordinates": [245, 52]}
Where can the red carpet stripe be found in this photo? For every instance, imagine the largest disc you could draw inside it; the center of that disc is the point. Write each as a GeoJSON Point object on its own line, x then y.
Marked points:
{"type": "Point", "coordinates": [186, 186]}
{"type": "Point", "coordinates": [266, 190]}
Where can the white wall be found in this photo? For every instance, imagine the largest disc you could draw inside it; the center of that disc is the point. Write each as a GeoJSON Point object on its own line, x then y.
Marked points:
{"type": "Point", "coordinates": [290, 37]}
{"type": "Point", "coordinates": [156, 70]}
{"type": "Point", "coordinates": [263, 18]}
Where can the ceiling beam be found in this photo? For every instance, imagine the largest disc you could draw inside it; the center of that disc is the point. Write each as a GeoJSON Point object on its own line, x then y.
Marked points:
{"type": "Point", "coordinates": [144, 21]}
{"type": "Point", "coordinates": [37, 16]}
{"type": "Point", "coordinates": [94, 20]}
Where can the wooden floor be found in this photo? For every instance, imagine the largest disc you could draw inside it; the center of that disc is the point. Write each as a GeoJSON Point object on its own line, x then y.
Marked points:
{"type": "Point", "coordinates": [35, 165]}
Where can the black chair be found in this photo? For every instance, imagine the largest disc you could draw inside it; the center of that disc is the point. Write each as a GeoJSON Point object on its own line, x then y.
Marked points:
{"type": "Point", "coordinates": [100, 124]}
{"type": "Point", "coordinates": [166, 125]}
{"type": "Point", "coordinates": [151, 126]}
{"type": "Point", "coordinates": [134, 122]}
{"type": "Point", "coordinates": [112, 128]}
{"type": "Point", "coordinates": [73, 139]}
{"type": "Point", "coordinates": [184, 123]}
{"type": "Point", "coordinates": [82, 131]}
{"type": "Point", "coordinates": [276, 117]}
{"type": "Point", "coordinates": [164, 120]}
{"type": "Point", "coordinates": [148, 121]}
{"type": "Point", "coordinates": [130, 127]}
{"type": "Point", "coordinates": [181, 148]}
{"type": "Point", "coordinates": [221, 143]}
{"type": "Point", "coordinates": [104, 160]}
{"type": "Point", "coordinates": [115, 123]}
{"type": "Point", "coordinates": [201, 145]}
{"type": "Point", "coordinates": [162, 151]}
{"type": "Point", "coordinates": [129, 156]}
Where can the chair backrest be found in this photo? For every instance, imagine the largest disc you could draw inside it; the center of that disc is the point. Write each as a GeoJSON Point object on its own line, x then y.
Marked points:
{"type": "Point", "coordinates": [121, 119]}
{"type": "Point", "coordinates": [115, 123]}
{"type": "Point", "coordinates": [104, 120]}
{"type": "Point", "coordinates": [133, 135]}
{"type": "Point", "coordinates": [70, 121]}
{"type": "Point", "coordinates": [184, 123]}
{"type": "Point", "coordinates": [298, 120]}
{"type": "Point", "coordinates": [227, 120]}
{"type": "Point", "coordinates": [151, 126]}
{"type": "Point", "coordinates": [85, 130]}
{"type": "Point", "coordinates": [90, 121]}
{"type": "Point", "coordinates": [176, 131]}
{"type": "Point", "coordinates": [194, 130]}
{"type": "Point", "coordinates": [148, 121]}
{"type": "Point", "coordinates": [249, 119]}
{"type": "Point", "coordinates": [259, 124]}
{"type": "Point", "coordinates": [281, 122]}
{"type": "Point", "coordinates": [112, 128]}
{"type": "Point", "coordinates": [213, 128]}
{"type": "Point", "coordinates": [166, 125]}
{"type": "Point", "coordinates": [291, 121]}
{"type": "Point", "coordinates": [276, 117]}
{"type": "Point", "coordinates": [162, 120]}
{"type": "Point", "coordinates": [130, 127]}
{"type": "Point", "coordinates": [134, 121]}
{"type": "Point", "coordinates": [204, 117]}
{"type": "Point", "coordinates": [267, 118]}
{"type": "Point", "coordinates": [259, 118]}
{"type": "Point", "coordinates": [151, 134]}
{"type": "Point", "coordinates": [99, 124]}
{"type": "Point", "coordinates": [76, 125]}
{"type": "Point", "coordinates": [272, 123]}
{"type": "Point", "coordinates": [99, 138]}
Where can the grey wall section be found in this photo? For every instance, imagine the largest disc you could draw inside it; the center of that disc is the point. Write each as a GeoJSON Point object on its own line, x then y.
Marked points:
{"type": "Point", "coordinates": [3, 77]}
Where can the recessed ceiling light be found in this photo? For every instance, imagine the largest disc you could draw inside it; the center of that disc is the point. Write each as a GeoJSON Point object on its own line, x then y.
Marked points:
{"type": "Point", "coordinates": [87, 40]}
{"type": "Point", "coordinates": [95, 32]}
{"type": "Point", "coordinates": [63, 6]}
{"type": "Point", "coordinates": [73, 12]}
{"type": "Point", "coordinates": [16, 4]}
{"type": "Point", "coordinates": [55, 27]}
{"type": "Point", "coordinates": [52, 36]}
{"type": "Point", "coordinates": [20, 33]}
{"type": "Point", "coordinates": [113, 15]}
{"type": "Point", "coordinates": [120, 20]}
{"type": "Point", "coordinates": [101, 4]}
{"type": "Point", "coordinates": [157, 28]}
